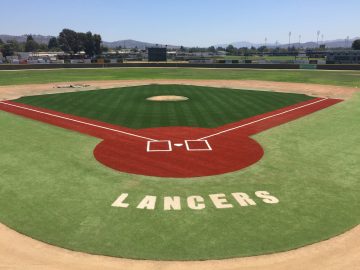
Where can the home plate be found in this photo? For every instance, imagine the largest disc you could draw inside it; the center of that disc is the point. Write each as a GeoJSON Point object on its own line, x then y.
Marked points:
{"type": "Point", "coordinates": [178, 144]}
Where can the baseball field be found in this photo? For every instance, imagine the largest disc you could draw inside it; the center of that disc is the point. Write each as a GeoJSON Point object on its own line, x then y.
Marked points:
{"type": "Point", "coordinates": [250, 162]}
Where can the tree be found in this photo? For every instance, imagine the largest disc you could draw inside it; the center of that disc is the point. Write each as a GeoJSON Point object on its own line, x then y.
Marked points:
{"type": "Point", "coordinates": [82, 40]}
{"type": "Point", "coordinates": [97, 44]}
{"type": "Point", "coordinates": [212, 49]}
{"type": "Point", "coordinates": [69, 41]}
{"type": "Point", "coordinates": [89, 44]}
{"type": "Point", "coordinates": [31, 45]}
{"type": "Point", "coordinates": [252, 50]}
{"type": "Point", "coordinates": [17, 47]}
{"type": "Point", "coordinates": [8, 49]}
{"type": "Point", "coordinates": [1, 45]}
{"type": "Point", "coordinates": [104, 49]}
{"type": "Point", "coordinates": [262, 49]}
{"type": "Point", "coordinates": [53, 43]}
{"type": "Point", "coordinates": [42, 47]}
{"type": "Point", "coordinates": [356, 44]}
{"type": "Point", "coordinates": [243, 50]}
{"type": "Point", "coordinates": [231, 49]}
{"type": "Point", "coordinates": [72, 42]}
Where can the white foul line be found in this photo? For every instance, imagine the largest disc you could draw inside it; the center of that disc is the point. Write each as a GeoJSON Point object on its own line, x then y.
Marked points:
{"type": "Point", "coordinates": [262, 119]}
{"type": "Point", "coordinates": [77, 121]}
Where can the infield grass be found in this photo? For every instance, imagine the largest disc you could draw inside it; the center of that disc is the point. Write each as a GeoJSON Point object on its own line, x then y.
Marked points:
{"type": "Point", "coordinates": [207, 107]}
{"type": "Point", "coordinates": [344, 78]}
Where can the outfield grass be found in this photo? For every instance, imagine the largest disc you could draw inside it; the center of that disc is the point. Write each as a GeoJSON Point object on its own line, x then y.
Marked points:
{"type": "Point", "coordinates": [207, 107]}
{"type": "Point", "coordinates": [52, 189]}
{"type": "Point", "coordinates": [349, 78]}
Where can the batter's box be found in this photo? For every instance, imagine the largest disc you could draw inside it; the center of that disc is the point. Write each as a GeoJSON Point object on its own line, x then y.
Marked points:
{"type": "Point", "coordinates": [159, 146]}
{"type": "Point", "coordinates": [197, 145]}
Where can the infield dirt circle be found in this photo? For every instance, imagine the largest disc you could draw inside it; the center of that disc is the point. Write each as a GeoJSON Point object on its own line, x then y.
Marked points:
{"type": "Point", "coordinates": [167, 98]}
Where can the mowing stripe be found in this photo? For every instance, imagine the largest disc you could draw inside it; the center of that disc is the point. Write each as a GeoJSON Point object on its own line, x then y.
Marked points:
{"type": "Point", "coordinates": [262, 119]}
{"type": "Point", "coordinates": [77, 121]}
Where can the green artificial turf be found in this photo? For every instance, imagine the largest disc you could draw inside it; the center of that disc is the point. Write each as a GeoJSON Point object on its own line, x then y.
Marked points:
{"type": "Point", "coordinates": [207, 107]}
{"type": "Point", "coordinates": [52, 189]}
{"type": "Point", "coordinates": [345, 78]}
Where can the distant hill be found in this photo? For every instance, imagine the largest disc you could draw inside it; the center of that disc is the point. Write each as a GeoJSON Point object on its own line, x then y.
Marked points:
{"type": "Point", "coordinates": [328, 43]}
{"type": "Point", "coordinates": [38, 38]}
{"type": "Point", "coordinates": [129, 43]}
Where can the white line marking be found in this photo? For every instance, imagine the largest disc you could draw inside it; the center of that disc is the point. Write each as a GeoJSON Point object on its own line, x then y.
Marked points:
{"type": "Point", "coordinates": [178, 144]}
{"type": "Point", "coordinates": [77, 121]}
{"type": "Point", "coordinates": [148, 147]}
{"type": "Point", "coordinates": [262, 119]}
{"type": "Point", "coordinates": [198, 149]}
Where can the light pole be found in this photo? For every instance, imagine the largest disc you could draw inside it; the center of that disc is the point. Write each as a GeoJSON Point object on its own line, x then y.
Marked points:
{"type": "Point", "coordinates": [299, 41]}
{"type": "Point", "coordinates": [317, 41]}
{"type": "Point", "coordinates": [289, 39]}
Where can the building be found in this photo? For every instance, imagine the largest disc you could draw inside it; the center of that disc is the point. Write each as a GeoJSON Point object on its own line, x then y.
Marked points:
{"type": "Point", "coordinates": [343, 57]}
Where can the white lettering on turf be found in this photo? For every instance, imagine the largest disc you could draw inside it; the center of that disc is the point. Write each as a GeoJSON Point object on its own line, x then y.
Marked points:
{"type": "Point", "coordinates": [196, 202]}
{"type": "Point", "coordinates": [220, 201]}
{"type": "Point", "coordinates": [172, 203]}
{"type": "Point", "coordinates": [267, 198]}
{"type": "Point", "coordinates": [147, 203]}
{"type": "Point", "coordinates": [243, 199]}
{"type": "Point", "coordinates": [120, 201]}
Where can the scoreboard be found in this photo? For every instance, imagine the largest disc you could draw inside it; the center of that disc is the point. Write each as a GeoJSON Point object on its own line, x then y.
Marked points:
{"type": "Point", "coordinates": [157, 54]}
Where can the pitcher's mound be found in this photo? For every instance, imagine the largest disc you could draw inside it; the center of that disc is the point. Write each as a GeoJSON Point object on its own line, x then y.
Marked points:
{"type": "Point", "coordinates": [167, 98]}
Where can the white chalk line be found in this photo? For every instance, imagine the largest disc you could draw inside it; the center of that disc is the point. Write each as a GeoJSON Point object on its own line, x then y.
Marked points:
{"type": "Point", "coordinates": [78, 121]}
{"type": "Point", "coordinates": [262, 119]}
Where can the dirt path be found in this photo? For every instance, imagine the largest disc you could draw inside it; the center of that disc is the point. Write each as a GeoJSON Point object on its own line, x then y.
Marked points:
{"type": "Point", "coordinates": [20, 252]}
{"type": "Point", "coordinates": [15, 91]}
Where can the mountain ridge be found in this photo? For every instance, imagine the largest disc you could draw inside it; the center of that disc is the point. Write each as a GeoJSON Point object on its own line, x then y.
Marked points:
{"type": "Point", "coordinates": [130, 43]}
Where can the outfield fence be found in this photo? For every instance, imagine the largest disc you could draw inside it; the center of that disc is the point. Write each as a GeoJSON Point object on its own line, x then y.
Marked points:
{"type": "Point", "coordinates": [181, 65]}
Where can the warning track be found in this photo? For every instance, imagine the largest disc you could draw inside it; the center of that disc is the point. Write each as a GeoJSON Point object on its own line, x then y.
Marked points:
{"type": "Point", "coordinates": [228, 148]}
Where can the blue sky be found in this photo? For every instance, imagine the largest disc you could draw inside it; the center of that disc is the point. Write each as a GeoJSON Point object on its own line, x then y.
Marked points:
{"type": "Point", "coordinates": [186, 22]}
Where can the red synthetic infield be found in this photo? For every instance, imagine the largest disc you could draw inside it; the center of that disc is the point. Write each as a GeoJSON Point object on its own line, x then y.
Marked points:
{"type": "Point", "coordinates": [175, 151]}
